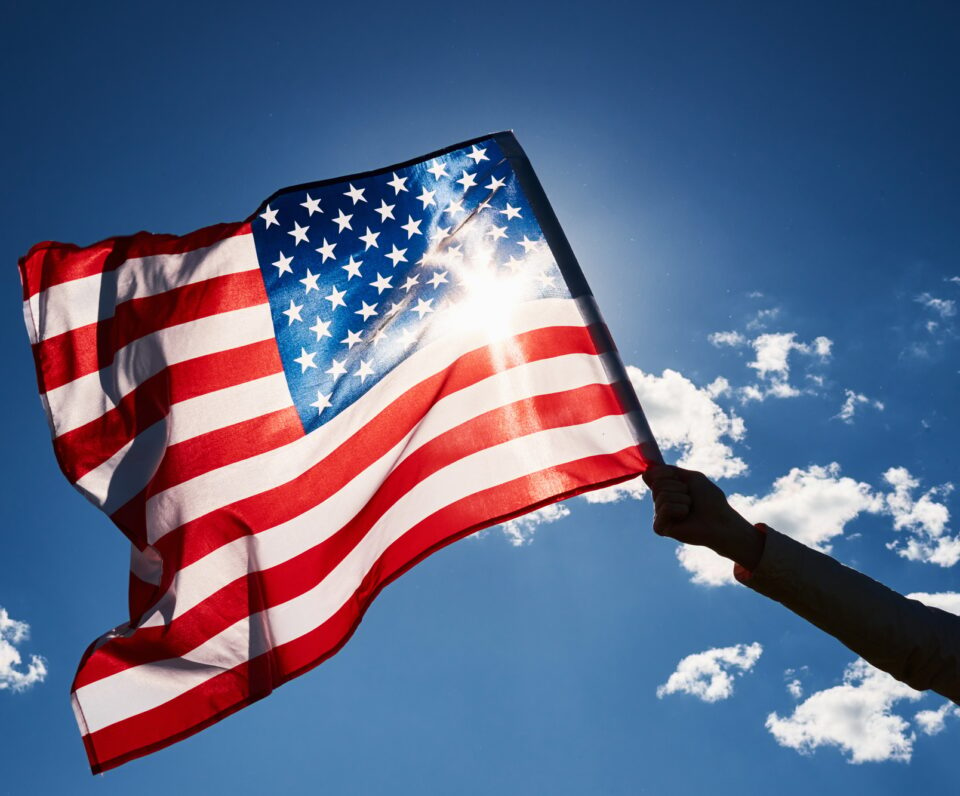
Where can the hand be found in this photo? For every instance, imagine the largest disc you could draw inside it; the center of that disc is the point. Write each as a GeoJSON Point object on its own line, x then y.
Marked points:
{"type": "Point", "coordinates": [690, 508]}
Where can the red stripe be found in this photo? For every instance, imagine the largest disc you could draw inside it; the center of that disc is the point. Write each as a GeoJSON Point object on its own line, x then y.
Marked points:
{"type": "Point", "coordinates": [298, 575]}
{"type": "Point", "coordinates": [75, 353]}
{"type": "Point", "coordinates": [83, 449]}
{"type": "Point", "coordinates": [252, 680]}
{"type": "Point", "coordinates": [50, 263]}
{"type": "Point", "coordinates": [215, 449]}
{"type": "Point", "coordinates": [259, 512]}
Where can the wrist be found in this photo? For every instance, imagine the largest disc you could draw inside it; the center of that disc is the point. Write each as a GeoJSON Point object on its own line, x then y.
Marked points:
{"type": "Point", "coordinates": [740, 541]}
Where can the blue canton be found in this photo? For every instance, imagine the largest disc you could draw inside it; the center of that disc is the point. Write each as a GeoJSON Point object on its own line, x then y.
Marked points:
{"type": "Point", "coordinates": [361, 273]}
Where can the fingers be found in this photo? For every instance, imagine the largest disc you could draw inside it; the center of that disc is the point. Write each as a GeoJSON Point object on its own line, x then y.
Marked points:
{"type": "Point", "coordinates": [669, 498]}
{"type": "Point", "coordinates": [667, 514]}
{"type": "Point", "coordinates": [660, 472]}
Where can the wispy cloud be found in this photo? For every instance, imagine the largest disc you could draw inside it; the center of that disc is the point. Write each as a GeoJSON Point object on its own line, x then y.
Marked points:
{"type": "Point", "coordinates": [945, 308]}
{"type": "Point", "coordinates": [852, 401]}
{"type": "Point", "coordinates": [709, 675]}
{"type": "Point", "coordinates": [13, 675]}
{"type": "Point", "coordinates": [772, 356]}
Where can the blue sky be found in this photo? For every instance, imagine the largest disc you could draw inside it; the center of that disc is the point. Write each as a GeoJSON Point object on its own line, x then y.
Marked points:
{"type": "Point", "coordinates": [756, 170]}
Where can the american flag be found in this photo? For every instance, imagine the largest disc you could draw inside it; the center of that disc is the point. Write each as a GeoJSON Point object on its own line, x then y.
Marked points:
{"type": "Point", "coordinates": [285, 414]}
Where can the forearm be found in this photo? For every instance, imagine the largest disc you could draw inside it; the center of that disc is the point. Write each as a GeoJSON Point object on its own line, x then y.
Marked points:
{"type": "Point", "coordinates": [915, 643]}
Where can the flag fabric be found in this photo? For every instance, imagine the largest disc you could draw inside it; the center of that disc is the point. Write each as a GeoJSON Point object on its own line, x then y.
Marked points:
{"type": "Point", "coordinates": [283, 415]}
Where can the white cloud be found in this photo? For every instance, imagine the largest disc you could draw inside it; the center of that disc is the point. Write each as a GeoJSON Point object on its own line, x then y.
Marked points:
{"type": "Point", "coordinates": [795, 688]}
{"type": "Point", "coordinates": [945, 308]}
{"type": "Point", "coordinates": [954, 279]}
{"type": "Point", "coordinates": [932, 722]}
{"type": "Point", "coordinates": [945, 600]}
{"type": "Point", "coordinates": [855, 717]}
{"type": "Point", "coordinates": [772, 358]}
{"type": "Point", "coordinates": [815, 504]}
{"type": "Point", "coordinates": [760, 319]}
{"type": "Point", "coordinates": [12, 674]}
{"type": "Point", "coordinates": [732, 339]}
{"type": "Point", "coordinates": [520, 531]}
{"type": "Point", "coordinates": [688, 420]}
{"type": "Point", "coordinates": [924, 519]}
{"type": "Point", "coordinates": [812, 505]}
{"type": "Point", "coordinates": [853, 400]}
{"type": "Point", "coordinates": [709, 675]}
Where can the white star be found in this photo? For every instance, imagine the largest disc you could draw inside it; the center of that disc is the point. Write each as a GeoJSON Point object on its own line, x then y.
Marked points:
{"type": "Point", "coordinates": [545, 279]}
{"type": "Point", "coordinates": [379, 336]}
{"type": "Point", "coordinates": [305, 360]}
{"type": "Point", "coordinates": [370, 239]}
{"type": "Point", "coordinates": [326, 251]}
{"type": "Point", "coordinates": [398, 184]}
{"type": "Point", "coordinates": [422, 308]}
{"type": "Point", "coordinates": [477, 155]}
{"type": "Point", "coordinates": [343, 220]}
{"type": "Point", "coordinates": [352, 268]}
{"type": "Point", "coordinates": [293, 314]}
{"type": "Point", "coordinates": [270, 216]}
{"type": "Point", "coordinates": [312, 205]}
{"type": "Point", "coordinates": [529, 245]}
{"type": "Point", "coordinates": [397, 255]}
{"type": "Point", "coordinates": [337, 368]}
{"type": "Point", "coordinates": [381, 283]}
{"type": "Point", "coordinates": [495, 184]}
{"type": "Point", "coordinates": [412, 281]}
{"type": "Point", "coordinates": [322, 402]}
{"type": "Point", "coordinates": [514, 264]}
{"type": "Point", "coordinates": [437, 279]}
{"type": "Point", "coordinates": [440, 233]}
{"type": "Point", "coordinates": [299, 234]}
{"type": "Point", "coordinates": [511, 212]}
{"type": "Point", "coordinates": [467, 180]}
{"type": "Point", "coordinates": [412, 227]}
{"type": "Point", "coordinates": [438, 170]}
{"type": "Point", "coordinates": [454, 208]}
{"type": "Point", "coordinates": [496, 232]}
{"type": "Point", "coordinates": [483, 206]}
{"type": "Point", "coordinates": [394, 309]}
{"type": "Point", "coordinates": [455, 250]}
{"type": "Point", "coordinates": [407, 338]}
{"type": "Point", "coordinates": [351, 339]}
{"type": "Point", "coordinates": [355, 193]}
{"type": "Point", "coordinates": [427, 197]}
{"type": "Point", "coordinates": [336, 298]}
{"type": "Point", "coordinates": [321, 329]}
{"type": "Point", "coordinates": [364, 370]}
{"type": "Point", "coordinates": [385, 211]}
{"type": "Point", "coordinates": [310, 283]}
{"type": "Point", "coordinates": [283, 265]}
{"type": "Point", "coordinates": [366, 310]}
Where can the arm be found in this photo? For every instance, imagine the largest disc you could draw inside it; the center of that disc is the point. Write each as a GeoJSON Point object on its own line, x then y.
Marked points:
{"type": "Point", "coordinates": [915, 643]}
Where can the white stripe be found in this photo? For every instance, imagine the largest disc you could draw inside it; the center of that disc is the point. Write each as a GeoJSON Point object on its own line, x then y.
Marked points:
{"type": "Point", "coordinates": [85, 399]}
{"type": "Point", "coordinates": [124, 474]}
{"type": "Point", "coordinates": [80, 302]}
{"type": "Point", "coordinates": [142, 688]}
{"type": "Point", "coordinates": [217, 488]}
{"type": "Point", "coordinates": [201, 579]}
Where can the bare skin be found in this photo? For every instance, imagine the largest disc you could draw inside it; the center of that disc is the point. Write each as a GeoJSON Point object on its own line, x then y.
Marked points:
{"type": "Point", "coordinates": [690, 508]}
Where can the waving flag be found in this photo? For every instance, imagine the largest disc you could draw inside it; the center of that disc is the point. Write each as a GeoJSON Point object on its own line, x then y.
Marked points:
{"type": "Point", "coordinates": [285, 414]}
